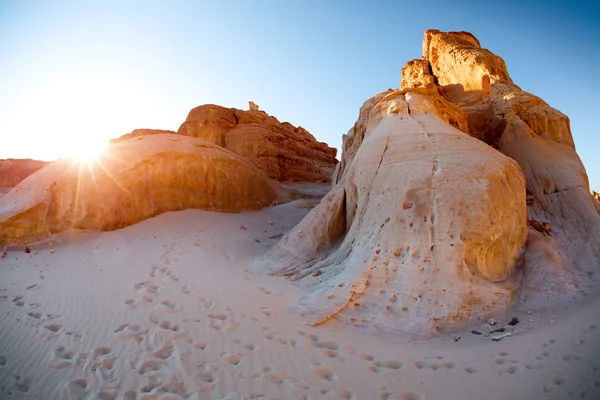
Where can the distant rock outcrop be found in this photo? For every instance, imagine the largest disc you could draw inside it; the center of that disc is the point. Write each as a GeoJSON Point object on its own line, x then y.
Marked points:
{"type": "Point", "coordinates": [133, 180]}
{"type": "Point", "coordinates": [285, 153]}
{"type": "Point", "coordinates": [13, 171]}
{"type": "Point", "coordinates": [427, 228]}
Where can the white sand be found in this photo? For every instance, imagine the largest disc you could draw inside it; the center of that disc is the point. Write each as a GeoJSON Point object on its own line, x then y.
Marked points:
{"type": "Point", "coordinates": [171, 308]}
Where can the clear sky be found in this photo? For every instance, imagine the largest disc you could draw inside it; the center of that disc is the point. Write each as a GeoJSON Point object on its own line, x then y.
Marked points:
{"type": "Point", "coordinates": [79, 72]}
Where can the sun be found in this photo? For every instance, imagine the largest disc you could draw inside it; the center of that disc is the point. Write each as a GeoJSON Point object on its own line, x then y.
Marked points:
{"type": "Point", "coordinates": [84, 151]}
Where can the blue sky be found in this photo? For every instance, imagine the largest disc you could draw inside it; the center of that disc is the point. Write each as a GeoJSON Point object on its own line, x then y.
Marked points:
{"type": "Point", "coordinates": [74, 72]}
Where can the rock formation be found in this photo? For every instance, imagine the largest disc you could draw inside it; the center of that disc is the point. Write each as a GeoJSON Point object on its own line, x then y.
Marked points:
{"type": "Point", "coordinates": [426, 226]}
{"type": "Point", "coordinates": [13, 171]}
{"type": "Point", "coordinates": [422, 223]}
{"type": "Point", "coordinates": [285, 153]}
{"type": "Point", "coordinates": [133, 180]}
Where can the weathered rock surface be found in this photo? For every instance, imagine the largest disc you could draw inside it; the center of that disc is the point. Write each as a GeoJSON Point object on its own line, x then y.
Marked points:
{"type": "Point", "coordinates": [133, 180]}
{"type": "Point", "coordinates": [285, 153]}
{"type": "Point", "coordinates": [142, 132]}
{"type": "Point", "coordinates": [420, 232]}
{"type": "Point", "coordinates": [560, 263]}
{"type": "Point", "coordinates": [564, 262]}
{"type": "Point", "coordinates": [13, 171]}
{"type": "Point", "coordinates": [476, 79]}
{"type": "Point", "coordinates": [427, 227]}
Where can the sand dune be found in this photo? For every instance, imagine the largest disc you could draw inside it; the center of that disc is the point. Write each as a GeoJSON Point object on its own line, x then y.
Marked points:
{"type": "Point", "coordinates": [171, 308]}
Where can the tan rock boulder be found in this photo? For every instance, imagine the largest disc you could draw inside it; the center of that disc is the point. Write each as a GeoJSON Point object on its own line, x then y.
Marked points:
{"type": "Point", "coordinates": [13, 171]}
{"type": "Point", "coordinates": [420, 233]}
{"type": "Point", "coordinates": [133, 180]}
{"type": "Point", "coordinates": [282, 151]}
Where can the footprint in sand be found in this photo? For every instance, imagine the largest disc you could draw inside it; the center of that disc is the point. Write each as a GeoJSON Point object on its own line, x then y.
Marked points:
{"type": "Point", "coordinates": [544, 354]}
{"type": "Point", "coordinates": [325, 374]}
{"type": "Point", "coordinates": [186, 290]}
{"type": "Point", "coordinates": [64, 358]}
{"type": "Point", "coordinates": [22, 384]}
{"type": "Point", "coordinates": [208, 304]}
{"type": "Point", "coordinates": [130, 395]}
{"type": "Point", "coordinates": [277, 293]}
{"type": "Point", "coordinates": [33, 314]}
{"type": "Point", "coordinates": [344, 394]}
{"type": "Point", "coordinates": [267, 311]}
{"type": "Point", "coordinates": [232, 358]}
{"type": "Point", "coordinates": [108, 393]}
{"type": "Point", "coordinates": [552, 385]}
{"type": "Point", "coordinates": [51, 331]}
{"type": "Point", "coordinates": [170, 331]}
{"type": "Point", "coordinates": [18, 301]}
{"type": "Point", "coordinates": [164, 352]}
{"type": "Point", "coordinates": [470, 370]}
{"type": "Point", "coordinates": [76, 389]}
{"type": "Point", "coordinates": [200, 345]}
{"type": "Point", "coordinates": [207, 374]}
{"type": "Point", "coordinates": [131, 331]}
{"type": "Point", "coordinates": [224, 322]}
{"type": "Point", "coordinates": [168, 307]}
{"type": "Point", "coordinates": [151, 365]}
{"type": "Point", "coordinates": [433, 365]}
{"type": "Point", "coordinates": [571, 357]}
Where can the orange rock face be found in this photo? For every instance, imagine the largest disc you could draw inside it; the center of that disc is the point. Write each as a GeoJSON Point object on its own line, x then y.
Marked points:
{"type": "Point", "coordinates": [477, 80]}
{"type": "Point", "coordinates": [133, 180]}
{"type": "Point", "coordinates": [284, 152]}
{"type": "Point", "coordinates": [13, 171]}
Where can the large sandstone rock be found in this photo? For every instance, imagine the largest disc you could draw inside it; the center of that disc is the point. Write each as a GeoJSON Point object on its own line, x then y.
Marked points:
{"type": "Point", "coordinates": [13, 171]}
{"type": "Point", "coordinates": [420, 233]}
{"type": "Point", "coordinates": [427, 227]}
{"type": "Point", "coordinates": [282, 151]}
{"type": "Point", "coordinates": [133, 180]}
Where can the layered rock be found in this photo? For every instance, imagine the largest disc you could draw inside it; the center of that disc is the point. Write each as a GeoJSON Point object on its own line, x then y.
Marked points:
{"type": "Point", "coordinates": [13, 171]}
{"type": "Point", "coordinates": [420, 232]}
{"type": "Point", "coordinates": [133, 180]}
{"type": "Point", "coordinates": [284, 152]}
{"type": "Point", "coordinates": [476, 79]}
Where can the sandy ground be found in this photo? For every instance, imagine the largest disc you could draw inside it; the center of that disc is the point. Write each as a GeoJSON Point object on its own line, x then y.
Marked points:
{"type": "Point", "coordinates": [171, 308]}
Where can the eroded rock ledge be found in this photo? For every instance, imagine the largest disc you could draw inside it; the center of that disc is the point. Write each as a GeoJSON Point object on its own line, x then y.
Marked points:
{"type": "Point", "coordinates": [284, 152]}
